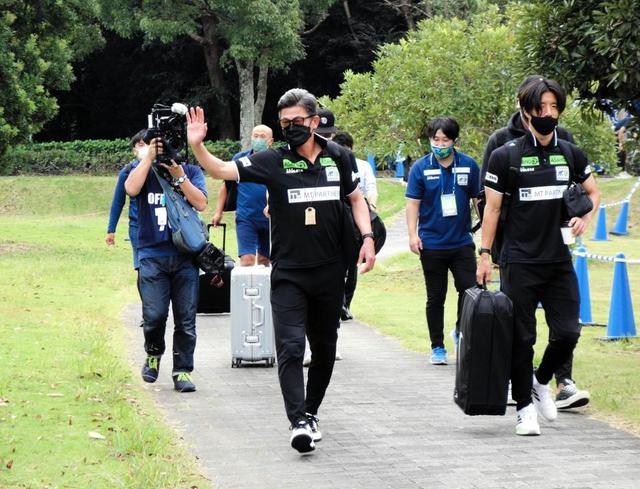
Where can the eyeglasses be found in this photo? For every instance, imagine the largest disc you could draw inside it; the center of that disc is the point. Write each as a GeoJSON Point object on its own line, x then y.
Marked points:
{"type": "Point", "coordinates": [298, 121]}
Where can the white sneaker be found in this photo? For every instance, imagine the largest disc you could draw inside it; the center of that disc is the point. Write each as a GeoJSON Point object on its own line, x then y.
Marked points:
{"type": "Point", "coordinates": [302, 437]}
{"type": "Point", "coordinates": [510, 401]}
{"type": "Point", "coordinates": [527, 421]}
{"type": "Point", "coordinates": [543, 400]}
{"type": "Point", "coordinates": [315, 430]}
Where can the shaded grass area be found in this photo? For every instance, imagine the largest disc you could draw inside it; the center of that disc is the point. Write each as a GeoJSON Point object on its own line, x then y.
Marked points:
{"type": "Point", "coordinates": [392, 298]}
{"type": "Point", "coordinates": [65, 371]}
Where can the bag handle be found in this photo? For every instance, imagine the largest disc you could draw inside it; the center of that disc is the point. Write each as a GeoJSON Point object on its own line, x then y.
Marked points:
{"type": "Point", "coordinates": [224, 233]}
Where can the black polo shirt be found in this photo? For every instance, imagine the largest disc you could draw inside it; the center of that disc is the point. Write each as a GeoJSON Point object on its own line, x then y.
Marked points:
{"type": "Point", "coordinates": [532, 229]}
{"type": "Point", "coordinates": [295, 184]}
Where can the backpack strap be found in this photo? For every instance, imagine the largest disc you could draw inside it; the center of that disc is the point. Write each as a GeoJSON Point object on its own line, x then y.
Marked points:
{"type": "Point", "coordinates": [566, 149]}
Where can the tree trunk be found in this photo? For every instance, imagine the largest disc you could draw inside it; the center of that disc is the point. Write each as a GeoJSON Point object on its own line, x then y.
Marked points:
{"type": "Point", "coordinates": [405, 8]}
{"type": "Point", "coordinates": [221, 120]}
{"type": "Point", "coordinates": [261, 96]}
{"type": "Point", "coordinates": [247, 111]}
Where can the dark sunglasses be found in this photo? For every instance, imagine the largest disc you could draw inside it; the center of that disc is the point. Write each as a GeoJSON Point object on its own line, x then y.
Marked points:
{"type": "Point", "coordinates": [298, 121]}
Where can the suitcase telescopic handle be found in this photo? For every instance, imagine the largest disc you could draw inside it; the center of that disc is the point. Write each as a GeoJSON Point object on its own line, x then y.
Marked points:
{"type": "Point", "coordinates": [224, 233]}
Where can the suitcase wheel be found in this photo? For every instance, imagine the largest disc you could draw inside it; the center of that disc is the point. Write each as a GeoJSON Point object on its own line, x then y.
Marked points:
{"type": "Point", "coordinates": [270, 362]}
{"type": "Point", "coordinates": [235, 362]}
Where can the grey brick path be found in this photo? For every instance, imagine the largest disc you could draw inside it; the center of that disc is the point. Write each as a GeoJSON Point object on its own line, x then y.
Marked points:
{"type": "Point", "coordinates": [388, 421]}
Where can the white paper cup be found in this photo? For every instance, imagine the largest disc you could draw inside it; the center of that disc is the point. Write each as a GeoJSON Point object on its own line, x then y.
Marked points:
{"type": "Point", "coordinates": [567, 236]}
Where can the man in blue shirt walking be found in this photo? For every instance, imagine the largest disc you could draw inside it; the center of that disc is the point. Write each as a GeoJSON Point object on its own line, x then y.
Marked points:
{"type": "Point", "coordinates": [252, 226]}
{"type": "Point", "coordinates": [140, 149]}
{"type": "Point", "coordinates": [165, 273]}
{"type": "Point", "coordinates": [440, 188]}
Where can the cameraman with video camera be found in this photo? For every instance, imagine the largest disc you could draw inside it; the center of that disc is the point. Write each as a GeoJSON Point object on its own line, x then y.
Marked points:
{"type": "Point", "coordinates": [166, 274]}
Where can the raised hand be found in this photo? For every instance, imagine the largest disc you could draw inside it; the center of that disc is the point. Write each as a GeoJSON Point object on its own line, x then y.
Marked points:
{"type": "Point", "coordinates": [196, 126]}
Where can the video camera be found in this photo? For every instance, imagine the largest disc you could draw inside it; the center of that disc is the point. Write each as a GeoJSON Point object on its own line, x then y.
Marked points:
{"type": "Point", "coordinates": [170, 125]}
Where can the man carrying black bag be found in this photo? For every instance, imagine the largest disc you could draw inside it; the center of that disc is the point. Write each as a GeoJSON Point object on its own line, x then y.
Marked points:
{"type": "Point", "coordinates": [535, 263]}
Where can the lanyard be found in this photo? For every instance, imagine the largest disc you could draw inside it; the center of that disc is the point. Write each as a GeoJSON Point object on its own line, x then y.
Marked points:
{"type": "Point", "coordinates": [453, 173]}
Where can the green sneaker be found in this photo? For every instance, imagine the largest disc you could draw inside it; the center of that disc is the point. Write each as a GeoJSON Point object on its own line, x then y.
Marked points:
{"type": "Point", "coordinates": [150, 369]}
{"type": "Point", "coordinates": [182, 382]}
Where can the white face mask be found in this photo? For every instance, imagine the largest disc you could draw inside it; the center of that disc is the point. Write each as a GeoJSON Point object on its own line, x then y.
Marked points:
{"type": "Point", "coordinates": [142, 152]}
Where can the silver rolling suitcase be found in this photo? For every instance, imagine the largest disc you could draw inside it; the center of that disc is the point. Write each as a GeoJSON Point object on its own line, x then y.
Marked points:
{"type": "Point", "coordinates": [252, 337]}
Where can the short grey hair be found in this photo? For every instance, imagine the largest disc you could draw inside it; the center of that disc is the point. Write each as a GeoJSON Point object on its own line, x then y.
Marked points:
{"type": "Point", "coordinates": [301, 97]}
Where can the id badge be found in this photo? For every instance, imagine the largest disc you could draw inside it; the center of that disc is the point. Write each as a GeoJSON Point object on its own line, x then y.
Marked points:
{"type": "Point", "coordinates": [448, 202]}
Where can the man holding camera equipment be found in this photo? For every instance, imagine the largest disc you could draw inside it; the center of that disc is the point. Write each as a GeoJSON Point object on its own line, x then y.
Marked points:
{"type": "Point", "coordinates": [533, 175]}
{"type": "Point", "coordinates": [252, 226]}
{"type": "Point", "coordinates": [307, 181]}
{"type": "Point", "coordinates": [165, 273]}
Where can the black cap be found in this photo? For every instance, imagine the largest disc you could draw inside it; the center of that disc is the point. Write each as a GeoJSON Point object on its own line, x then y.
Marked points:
{"type": "Point", "coordinates": [327, 122]}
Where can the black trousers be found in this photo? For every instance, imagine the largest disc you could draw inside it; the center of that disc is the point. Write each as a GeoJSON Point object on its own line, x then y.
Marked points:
{"type": "Point", "coordinates": [435, 266]}
{"type": "Point", "coordinates": [306, 301]}
{"type": "Point", "coordinates": [350, 282]}
{"type": "Point", "coordinates": [555, 286]}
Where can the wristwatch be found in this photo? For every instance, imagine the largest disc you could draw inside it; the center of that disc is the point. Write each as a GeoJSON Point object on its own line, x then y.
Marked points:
{"type": "Point", "coordinates": [484, 250]}
{"type": "Point", "coordinates": [367, 235]}
{"type": "Point", "coordinates": [181, 180]}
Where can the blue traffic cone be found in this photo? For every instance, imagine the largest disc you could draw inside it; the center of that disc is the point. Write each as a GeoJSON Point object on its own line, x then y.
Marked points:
{"type": "Point", "coordinates": [582, 273]}
{"type": "Point", "coordinates": [620, 229]}
{"type": "Point", "coordinates": [601, 226]}
{"type": "Point", "coordinates": [621, 321]}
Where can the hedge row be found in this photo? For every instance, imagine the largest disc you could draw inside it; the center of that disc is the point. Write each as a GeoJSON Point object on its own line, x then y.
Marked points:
{"type": "Point", "coordinates": [94, 157]}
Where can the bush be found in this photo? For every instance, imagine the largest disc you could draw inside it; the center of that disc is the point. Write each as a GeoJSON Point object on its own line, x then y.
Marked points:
{"type": "Point", "coordinates": [632, 148]}
{"type": "Point", "coordinates": [95, 157]}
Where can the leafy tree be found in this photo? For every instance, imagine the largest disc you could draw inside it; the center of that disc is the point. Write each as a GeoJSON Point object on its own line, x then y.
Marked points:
{"type": "Point", "coordinates": [38, 42]}
{"type": "Point", "coordinates": [589, 45]}
{"type": "Point", "coordinates": [446, 67]}
{"type": "Point", "coordinates": [255, 36]}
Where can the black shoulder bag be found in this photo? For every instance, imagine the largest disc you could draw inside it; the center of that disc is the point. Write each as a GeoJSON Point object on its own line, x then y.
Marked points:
{"type": "Point", "coordinates": [576, 201]}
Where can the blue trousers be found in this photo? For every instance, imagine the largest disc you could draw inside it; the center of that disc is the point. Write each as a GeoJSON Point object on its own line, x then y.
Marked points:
{"type": "Point", "coordinates": [170, 279]}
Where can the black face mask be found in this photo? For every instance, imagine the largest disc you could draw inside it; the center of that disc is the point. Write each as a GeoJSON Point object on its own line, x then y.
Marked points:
{"type": "Point", "coordinates": [544, 125]}
{"type": "Point", "coordinates": [296, 135]}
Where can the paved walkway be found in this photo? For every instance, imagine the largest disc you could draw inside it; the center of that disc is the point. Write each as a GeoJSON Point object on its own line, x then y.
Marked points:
{"type": "Point", "coordinates": [388, 421]}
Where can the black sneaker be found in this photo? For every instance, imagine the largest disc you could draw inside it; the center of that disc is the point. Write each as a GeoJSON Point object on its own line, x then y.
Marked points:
{"type": "Point", "coordinates": [569, 396]}
{"type": "Point", "coordinates": [182, 382]}
{"type": "Point", "coordinates": [345, 314]}
{"type": "Point", "coordinates": [150, 369]}
{"type": "Point", "coordinates": [302, 437]}
{"type": "Point", "coordinates": [313, 424]}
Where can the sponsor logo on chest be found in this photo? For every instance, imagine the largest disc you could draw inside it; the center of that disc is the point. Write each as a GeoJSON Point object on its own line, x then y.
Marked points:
{"type": "Point", "coordinates": [314, 194]}
{"type": "Point", "coordinates": [550, 192]}
{"type": "Point", "coordinates": [562, 173]}
{"type": "Point", "coordinates": [332, 173]}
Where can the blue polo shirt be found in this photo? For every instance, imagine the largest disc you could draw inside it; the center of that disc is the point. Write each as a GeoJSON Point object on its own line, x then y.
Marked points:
{"type": "Point", "coordinates": [252, 199]}
{"type": "Point", "coordinates": [428, 180]}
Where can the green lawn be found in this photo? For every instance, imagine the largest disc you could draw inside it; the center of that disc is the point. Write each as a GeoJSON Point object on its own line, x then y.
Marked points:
{"type": "Point", "coordinates": [66, 371]}
{"type": "Point", "coordinates": [392, 298]}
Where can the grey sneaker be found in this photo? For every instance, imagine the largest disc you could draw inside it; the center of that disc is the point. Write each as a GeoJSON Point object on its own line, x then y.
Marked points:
{"type": "Point", "coordinates": [182, 382]}
{"type": "Point", "coordinates": [150, 369]}
{"type": "Point", "coordinates": [569, 396]}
